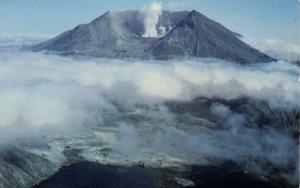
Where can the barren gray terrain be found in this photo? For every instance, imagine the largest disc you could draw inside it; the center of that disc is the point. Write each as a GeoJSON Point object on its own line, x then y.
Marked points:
{"type": "Point", "coordinates": [120, 35]}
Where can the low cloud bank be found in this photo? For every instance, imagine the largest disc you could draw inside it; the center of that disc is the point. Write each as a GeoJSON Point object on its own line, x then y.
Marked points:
{"type": "Point", "coordinates": [46, 89]}
{"type": "Point", "coordinates": [43, 94]}
{"type": "Point", "coordinates": [288, 51]}
{"type": "Point", "coordinates": [9, 40]}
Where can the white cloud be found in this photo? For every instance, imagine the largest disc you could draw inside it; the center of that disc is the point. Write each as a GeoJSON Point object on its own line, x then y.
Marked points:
{"type": "Point", "coordinates": [44, 94]}
{"type": "Point", "coordinates": [288, 51]}
{"type": "Point", "coordinates": [19, 39]}
{"type": "Point", "coordinates": [278, 49]}
{"type": "Point", "coordinates": [42, 88]}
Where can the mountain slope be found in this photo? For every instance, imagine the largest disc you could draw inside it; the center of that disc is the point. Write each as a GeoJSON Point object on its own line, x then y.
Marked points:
{"type": "Point", "coordinates": [120, 35]}
{"type": "Point", "coordinates": [197, 35]}
{"type": "Point", "coordinates": [106, 36]}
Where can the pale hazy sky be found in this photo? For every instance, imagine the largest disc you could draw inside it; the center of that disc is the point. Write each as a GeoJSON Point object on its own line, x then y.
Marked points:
{"type": "Point", "coordinates": [258, 19]}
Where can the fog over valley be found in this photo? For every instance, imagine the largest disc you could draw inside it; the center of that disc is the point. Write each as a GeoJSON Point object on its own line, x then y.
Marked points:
{"type": "Point", "coordinates": [121, 111]}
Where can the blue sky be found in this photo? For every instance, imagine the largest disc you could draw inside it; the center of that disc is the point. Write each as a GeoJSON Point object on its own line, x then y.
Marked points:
{"type": "Point", "coordinates": [258, 19]}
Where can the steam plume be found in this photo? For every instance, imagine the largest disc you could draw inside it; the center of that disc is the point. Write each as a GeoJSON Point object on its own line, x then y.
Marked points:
{"type": "Point", "coordinates": [151, 17]}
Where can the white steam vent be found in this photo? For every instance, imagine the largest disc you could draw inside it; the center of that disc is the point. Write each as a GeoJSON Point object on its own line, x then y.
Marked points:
{"type": "Point", "coordinates": [151, 16]}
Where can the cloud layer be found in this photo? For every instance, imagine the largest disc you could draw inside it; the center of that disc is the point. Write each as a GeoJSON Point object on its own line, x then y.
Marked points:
{"type": "Point", "coordinates": [9, 40]}
{"type": "Point", "coordinates": [43, 94]}
{"type": "Point", "coordinates": [32, 81]}
{"type": "Point", "coordinates": [288, 51]}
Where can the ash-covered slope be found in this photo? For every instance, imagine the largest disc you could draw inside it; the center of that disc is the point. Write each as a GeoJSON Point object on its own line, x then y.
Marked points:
{"type": "Point", "coordinates": [199, 36]}
{"type": "Point", "coordinates": [111, 35]}
{"type": "Point", "coordinates": [20, 168]}
{"type": "Point", "coordinates": [185, 34]}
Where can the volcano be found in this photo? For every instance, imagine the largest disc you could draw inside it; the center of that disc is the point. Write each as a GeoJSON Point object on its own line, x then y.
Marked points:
{"type": "Point", "coordinates": [182, 34]}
